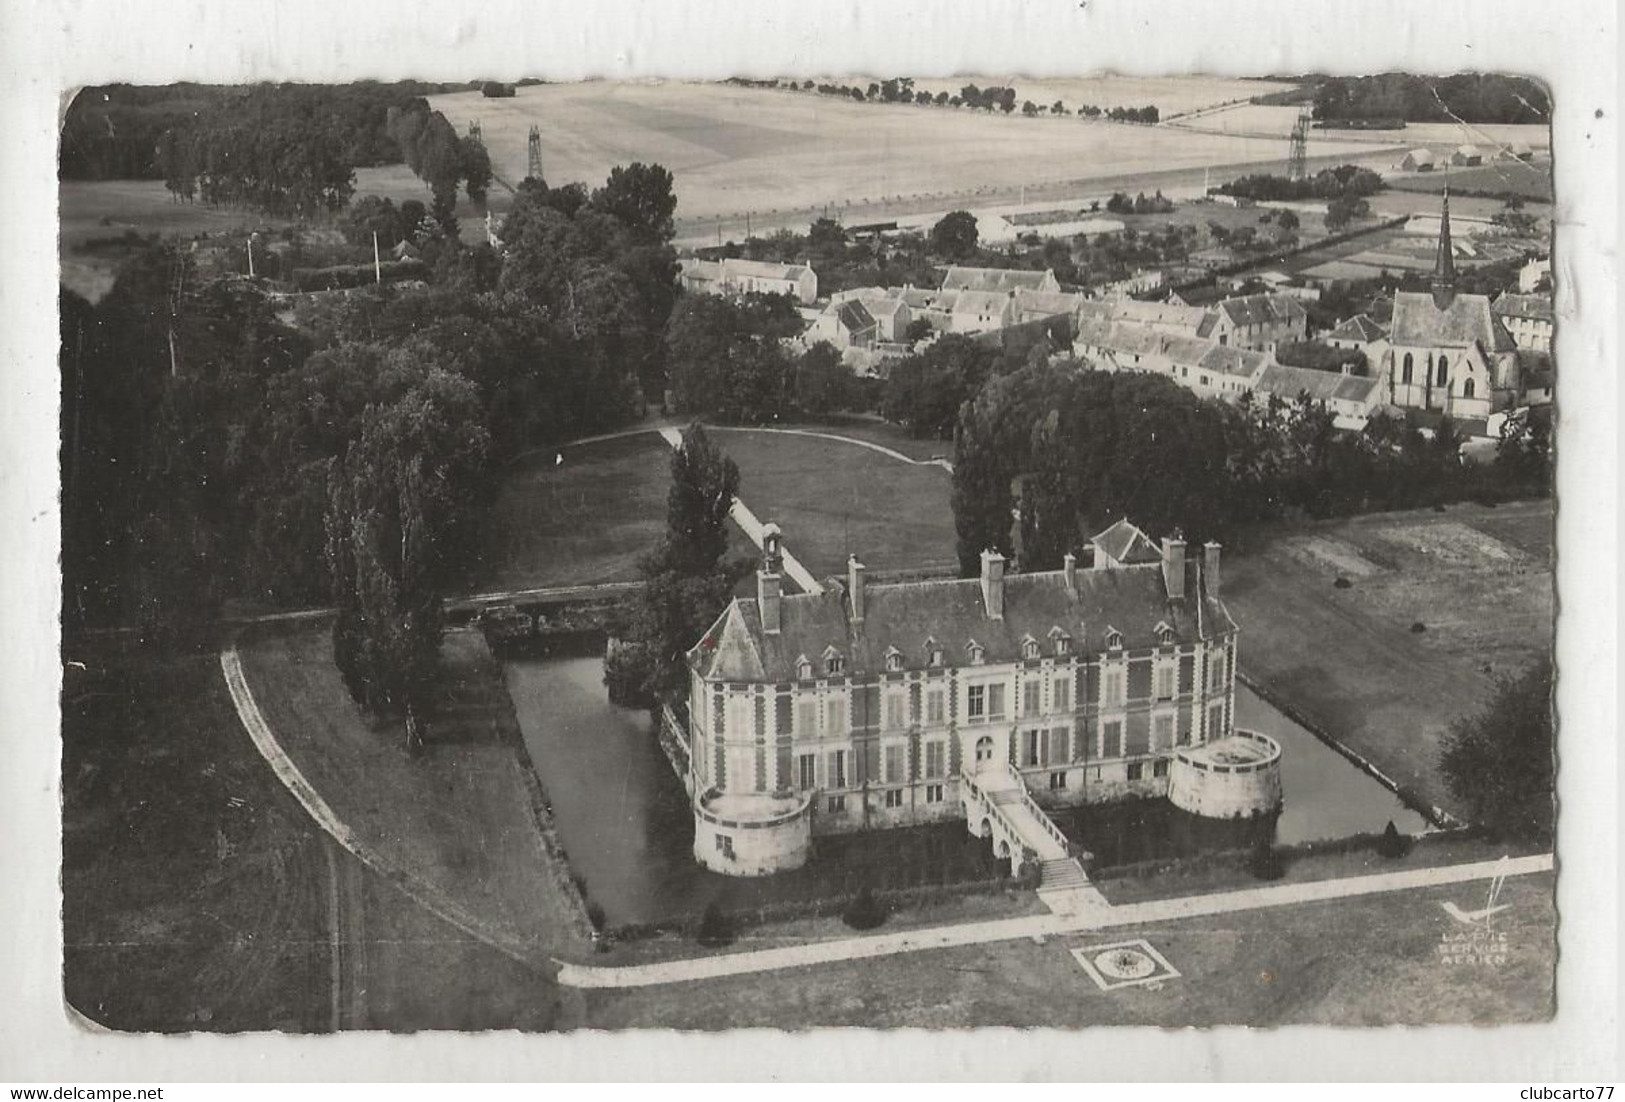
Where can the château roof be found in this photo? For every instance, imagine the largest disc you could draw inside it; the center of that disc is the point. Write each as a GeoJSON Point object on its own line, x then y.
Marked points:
{"type": "Point", "coordinates": [1131, 600]}
{"type": "Point", "coordinates": [1125, 543]}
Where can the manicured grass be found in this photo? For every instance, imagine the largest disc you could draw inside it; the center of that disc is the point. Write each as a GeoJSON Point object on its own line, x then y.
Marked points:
{"type": "Point", "coordinates": [458, 818]}
{"type": "Point", "coordinates": [194, 887]}
{"type": "Point", "coordinates": [585, 520]}
{"type": "Point", "coordinates": [833, 498]}
{"type": "Point", "coordinates": [1376, 960]}
{"type": "Point", "coordinates": [1347, 660]}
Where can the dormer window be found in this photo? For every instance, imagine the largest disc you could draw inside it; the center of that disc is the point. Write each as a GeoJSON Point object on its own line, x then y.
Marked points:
{"type": "Point", "coordinates": [1165, 634]}
{"type": "Point", "coordinates": [1114, 639]}
{"type": "Point", "coordinates": [933, 652]}
{"type": "Point", "coordinates": [976, 652]}
{"type": "Point", "coordinates": [834, 663]}
{"type": "Point", "coordinates": [894, 659]}
{"type": "Point", "coordinates": [1060, 641]}
{"type": "Point", "coordinates": [1029, 647]}
{"type": "Point", "coordinates": [804, 668]}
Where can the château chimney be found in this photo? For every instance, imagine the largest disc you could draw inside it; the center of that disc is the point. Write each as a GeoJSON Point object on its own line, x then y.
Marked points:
{"type": "Point", "coordinates": [1210, 568]}
{"type": "Point", "coordinates": [854, 586]}
{"type": "Point", "coordinates": [1173, 567]}
{"type": "Point", "coordinates": [1069, 568]}
{"type": "Point", "coordinates": [993, 584]}
{"type": "Point", "coordinates": [769, 586]}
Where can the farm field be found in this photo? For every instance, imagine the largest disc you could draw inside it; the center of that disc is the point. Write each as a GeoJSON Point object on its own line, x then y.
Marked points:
{"type": "Point", "coordinates": [1532, 180]}
{"type": "Point", "coordinates": [1479, 580]}
{"type": "Point", "coordinates": [832, 497]}
{"type": "Point", "coordinates": [735, 149]}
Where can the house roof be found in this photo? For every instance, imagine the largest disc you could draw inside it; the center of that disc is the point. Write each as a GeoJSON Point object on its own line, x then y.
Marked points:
{"type": "Point", "coordinates": [1536, 307]}
{"type": "Point", "coordinates": [981, 302]}
{"type": "Point", "coordinates": [1132, 601]}
{"type": "Point", "coordinates": [1466, 320]}
{"type": "Point", "coordinates": [1322, 386]}
{"type": "Point", "coordinates": [1262, 309]}
{"type": "Point", "coordinates": [761, 269]}
{"type": "Point", "coordinates": [1468, 150]}
{"type": "Point", "coordinates": [1125, 543]}
{"type": "Point", "coordinates": [1420, 155]}
{"type": "Point", "coordinates": [1046, 302]}
{"type": "Point", "coordinates": [1358, 328]}
{"type": "Point", "coordinates": [853, 315]}
{"type": "Point", "coordinates": [995, 279]}
{"type": "Point", "coordinates": [1238, 362]}
{"type": "Point", "coordinates": [1162, 315]}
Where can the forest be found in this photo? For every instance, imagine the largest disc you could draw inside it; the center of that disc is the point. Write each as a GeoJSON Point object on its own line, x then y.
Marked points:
{"type": "Point", "coordinates": [1478, 98]}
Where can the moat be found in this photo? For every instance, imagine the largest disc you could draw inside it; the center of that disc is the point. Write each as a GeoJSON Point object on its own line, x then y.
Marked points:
{"type": "Point", "coordinates": [625, 821]}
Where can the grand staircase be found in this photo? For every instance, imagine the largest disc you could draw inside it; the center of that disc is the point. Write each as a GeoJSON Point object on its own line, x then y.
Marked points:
{"type": "Point", "coordinates": [1063, 885]}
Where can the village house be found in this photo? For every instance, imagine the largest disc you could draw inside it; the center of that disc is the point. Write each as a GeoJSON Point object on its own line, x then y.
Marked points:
{"type": "Point", "coordinates": [980, 311]}
{"type": "Point", "coordinates": [845, 324]}
{"type": "Point", "coordinates": [1259, 322]}
{"type": "Point", "coordinates": [1038, 305]}
{"type": "Point", "coordinates": [1418, 160]}
{"type": "Point", "coordinates": [1466, 155]}
{"type": "Point", "coordinates": [1002, 280]}
{"type": "Point", "coordinates": [734, 276]}
{"type": "Point", "coordinates": [1358, 332]}
{"type": "Point", "coordinates": [1534, 274]}
{"type": "Point", "coordinates": [1203, 366]}
{"type": "Point", "coordinates": [1349, 398]}
{"type": "Point", "coordinates": [1448, 352]}
{"type": "Point", "coordinates": [870, 706]}
{"type": "Point", "coordinates": [1528, 318]}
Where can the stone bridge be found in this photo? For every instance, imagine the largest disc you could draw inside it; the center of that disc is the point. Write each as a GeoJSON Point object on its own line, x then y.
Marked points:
{"type": "Point", "coordinates": [998, 807]}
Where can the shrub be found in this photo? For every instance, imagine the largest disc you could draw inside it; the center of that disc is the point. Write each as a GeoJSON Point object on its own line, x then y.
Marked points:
{"type": "Point", "coordinates": [1342, 582]}
{"type": "Point", "coordinates": [1393, 844]}
{"type": "Point", "coordinates": [716, 928]}
{"type": "Point", "coordinates": [1418, 627]}
{"type": "Point", "coordinates": [595, 914]}
{"type": "Point", "coordinates": [864, 912]}
{"type": "Point", "coordinates": [1266, 863]}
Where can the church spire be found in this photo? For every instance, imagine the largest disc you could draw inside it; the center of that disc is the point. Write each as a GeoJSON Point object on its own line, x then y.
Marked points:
{"type": "Point", "coordinates": [1444, 265]}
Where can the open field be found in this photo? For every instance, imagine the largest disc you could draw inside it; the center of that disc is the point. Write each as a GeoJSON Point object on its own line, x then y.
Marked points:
{"type": "Point", "coordinates": [1377, 960]}
{"type": "Point", "coordinates": [195, 890]}
{"type": "Point", "coordinates": [1478, 579]}
{"type": "Point", "coordinates": [458, 819]}
{"type": "Point", "coordinates": [1530, 179]}
{"type": "Point", "coordinates": [735, 149]}
{"type": "Point", "coordinates": [1170, 95]}
{"type": "Point", "coordinates": [832, 498]}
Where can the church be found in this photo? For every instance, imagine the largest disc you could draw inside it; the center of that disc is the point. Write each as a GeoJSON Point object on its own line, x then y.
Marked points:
{"type": "Point", "coordinates": [1448, 352]}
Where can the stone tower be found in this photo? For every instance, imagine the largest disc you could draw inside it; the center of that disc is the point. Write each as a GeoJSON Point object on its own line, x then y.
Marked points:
{"type": "Point", "coordinates": [1444, 264]}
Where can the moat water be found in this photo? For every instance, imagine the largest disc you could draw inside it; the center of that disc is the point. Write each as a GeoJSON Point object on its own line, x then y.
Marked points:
{"type": "Point", "coordinates": [624, 819]}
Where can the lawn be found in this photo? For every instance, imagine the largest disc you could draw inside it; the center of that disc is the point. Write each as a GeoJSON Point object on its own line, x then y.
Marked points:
{"type": "Point", "coordinates": [585, 520]}
{"type": "Point", "coordinates": [1376, 960]}
{"type": "Point", "coordinates": [194, 887]}
{"type": "Point", "coordinates": [1478, 580]}
{"type": "Point", "coordinates": [832, 498]}
{"type": "Point", "coordinates": [458, 821]}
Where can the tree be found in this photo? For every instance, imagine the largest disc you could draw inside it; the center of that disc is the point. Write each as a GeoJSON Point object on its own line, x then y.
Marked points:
{"type": "Point", "coordinates": [826, 236]}
{"type": "Point", "coordinates": [686, 582]}
{"type": "Point", "coordinates": [1029, 108]}
{"type": "Point", "coordinates": [955, 236]}
{"type": "Point", "coordinates": [716, 929]}
{"type": "Point", "coordinates": [1498, 764]}
{"type": "Point", "coordinates": [642, 197]}
{"type": "Point", "coordinates": [475, 168]}
{"type": "Point", "coordinates": [822, 381]}
{"type": "Point", "coordinates": [1288, 221]}
{"type": "Point", "coordinates": [864, 911]}
{"type": "Point", "coordinates": [1340, 212]}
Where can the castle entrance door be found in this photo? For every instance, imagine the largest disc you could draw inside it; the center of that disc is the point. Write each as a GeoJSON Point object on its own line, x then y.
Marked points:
{"type": "Point", "coordinates": [984, 752]}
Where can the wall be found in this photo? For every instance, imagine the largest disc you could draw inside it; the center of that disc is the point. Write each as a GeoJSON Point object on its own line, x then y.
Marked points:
{"type": "Point", "coordinates": [1229, 795]}
{"type": "Point", "coordinates": [756, 852]}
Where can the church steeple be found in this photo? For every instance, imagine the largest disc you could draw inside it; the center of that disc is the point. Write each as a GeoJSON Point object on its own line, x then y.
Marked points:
{"type": "Point", "coordinates": [1444, 264]}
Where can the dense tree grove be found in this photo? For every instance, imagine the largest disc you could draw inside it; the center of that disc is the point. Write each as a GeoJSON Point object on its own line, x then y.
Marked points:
{"type": "Point", "coordinates": [686, 580]}
{"type": "Point", "coordinates": [1344, 181]}
{"type": "Point", "coordinates": [1088, 447]}
{"type": "Point", "coordinates": [213, 453]}
{"type": "Point", "coordinates": [1477, 98]}
{"type": "Point", "coordinates": [1499, 764]}
{"type": "Point", "coordinates": [114, 132]}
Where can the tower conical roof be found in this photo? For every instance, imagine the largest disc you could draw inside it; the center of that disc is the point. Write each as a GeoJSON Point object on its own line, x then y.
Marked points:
{"type": "Point", "coordinates": [1444, 264]}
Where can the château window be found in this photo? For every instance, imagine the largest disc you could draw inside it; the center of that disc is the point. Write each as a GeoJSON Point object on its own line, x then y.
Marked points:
{"type": "Point", "coordinates": [1159, 768]}
{"type": "Point", "coordinates": [1029, 647]}
{"type": "Point", "coordinates": [1165, 682]}
{"type": "Point", "coordinates": [1031, 698]}
{"type": "Point", "coordinates": [976, 652]}
{"type": "Point", "coordinates": [894, 660]}
{"type": "Point", "coordinates": [1409, 369]}
{"type": "Point", "coordinates": [934, 710]}
{"type": "Point", "coordinates": [1061, 694]}
{"type": "Point", "coordinates": [1165, 634]}
{"type": "Point", "coordinates": [1063, 644]}
{"type": "Point", "coordinates": [833, 662]}
{"type": "Point", "coordinates": [1136, 770]}
{"type": "Point", "coordinates": [1114, 639]}
{"type": "Point", "coordinates": [976, 702]}
{"type": "Point", "coordinates": [803, 669]}
{"type": "Point", "coordinates": [933, 653]}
